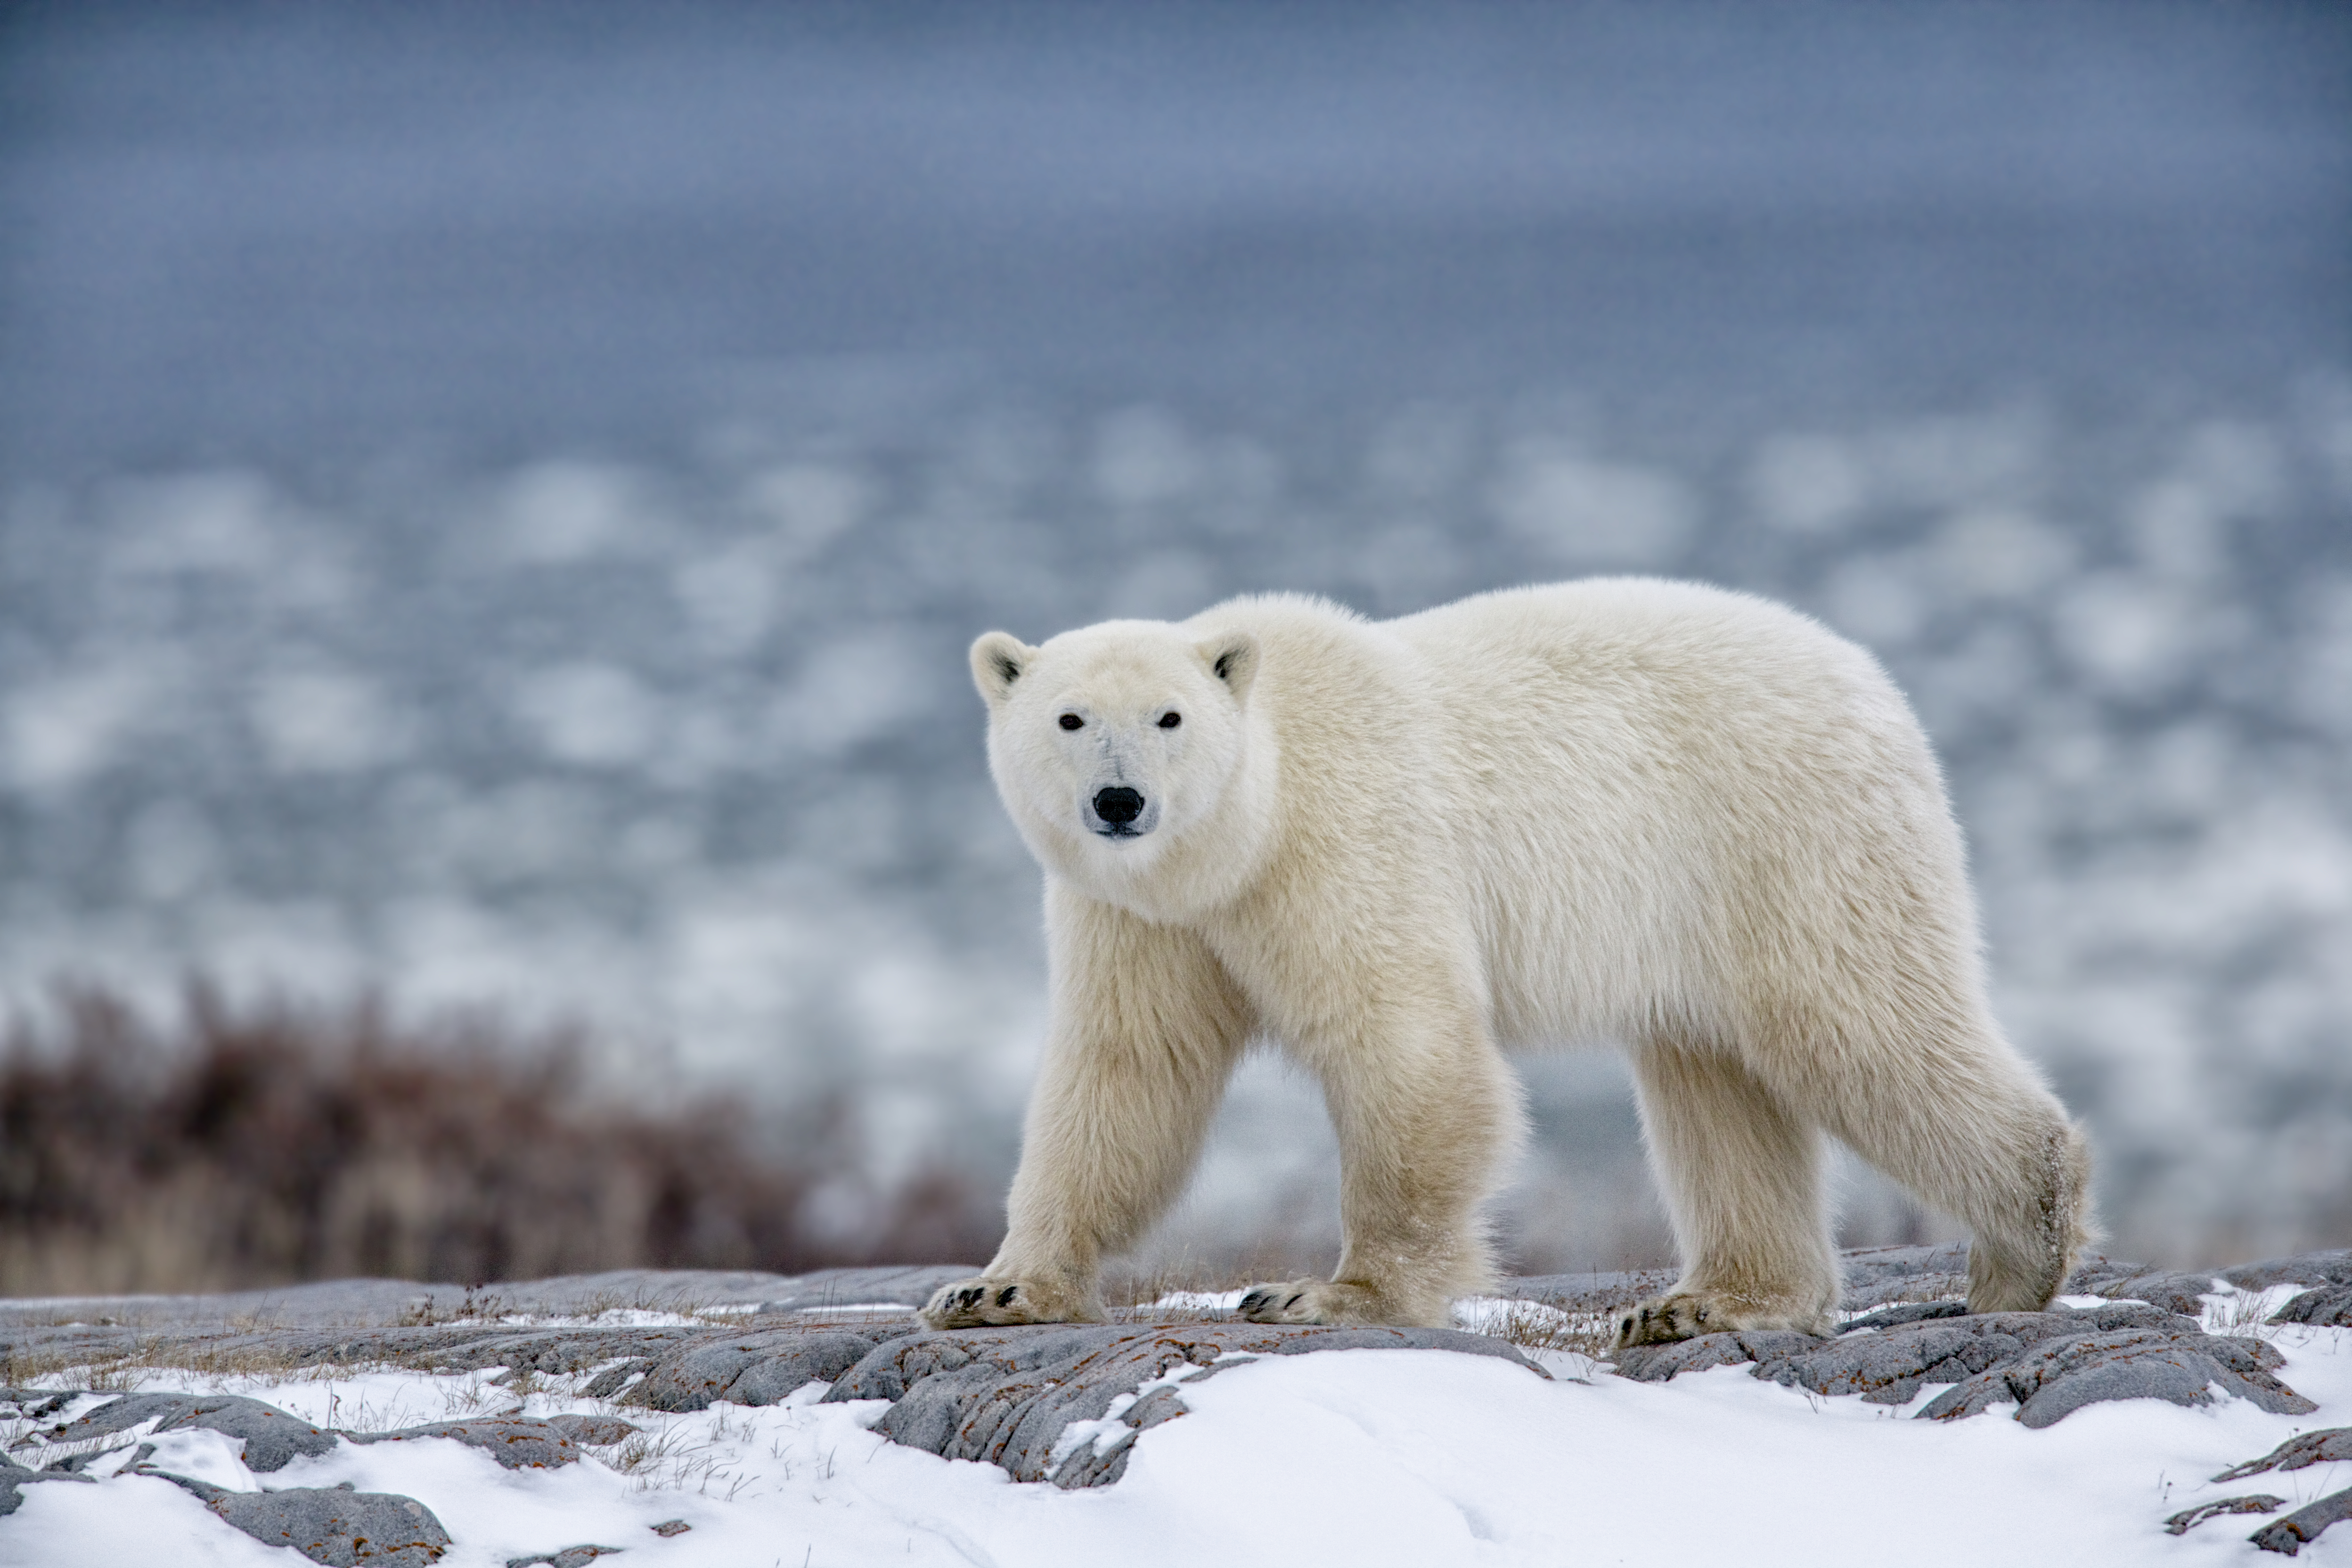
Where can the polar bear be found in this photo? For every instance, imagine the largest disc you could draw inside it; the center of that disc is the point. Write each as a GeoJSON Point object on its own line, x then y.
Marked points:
{"type": "Point", "coordinates": [1682, 819]}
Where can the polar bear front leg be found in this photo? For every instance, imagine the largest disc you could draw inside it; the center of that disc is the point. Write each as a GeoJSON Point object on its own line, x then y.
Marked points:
{"type": "Point", "coordinates": [1146, 1031]}
{"type": "Point", "coordinates": [1425, 1115]}
{"type": "Point", "coordinates": [1318, 1302]}
{"type": "Point", "coordinates": [1741, 1176]}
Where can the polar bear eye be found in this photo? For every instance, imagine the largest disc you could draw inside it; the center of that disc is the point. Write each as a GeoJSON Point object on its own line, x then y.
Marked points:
{"type": "Point", "coordinates": [1170, 720]}
{"type": "Point", "coordinates": [1072, 721]}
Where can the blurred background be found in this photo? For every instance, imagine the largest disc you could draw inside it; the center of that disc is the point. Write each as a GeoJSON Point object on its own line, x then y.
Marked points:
{"type": "Point", "coordinates": [493, 500]}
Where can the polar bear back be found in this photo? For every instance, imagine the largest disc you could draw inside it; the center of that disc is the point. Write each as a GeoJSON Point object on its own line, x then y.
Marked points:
{"type": "Point", "coordinates": [1673, 805]}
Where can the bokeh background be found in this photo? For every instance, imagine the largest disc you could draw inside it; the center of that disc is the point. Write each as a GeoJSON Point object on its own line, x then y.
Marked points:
{"type": "Point", "coordinates": [493, 499]}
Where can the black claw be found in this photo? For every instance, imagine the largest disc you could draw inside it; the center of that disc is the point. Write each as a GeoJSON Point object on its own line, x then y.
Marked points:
{"type": "Point", "coordinates": [1004, 1297]}
{"type": "Point", "coordinates": [969, 1296]}
{"type": "Point", "coordinates": [1251, 1302]}
{"type": "Point", "coordinates": [1294, 1300]}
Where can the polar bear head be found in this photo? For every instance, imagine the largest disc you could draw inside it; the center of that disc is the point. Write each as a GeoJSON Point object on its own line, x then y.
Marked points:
{"type": "Point", "coordinates": [1123, 750]}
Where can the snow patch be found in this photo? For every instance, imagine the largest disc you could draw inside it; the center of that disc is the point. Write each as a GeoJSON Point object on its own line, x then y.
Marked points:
{"type": "Point", "coordinates": [1371, 1457]}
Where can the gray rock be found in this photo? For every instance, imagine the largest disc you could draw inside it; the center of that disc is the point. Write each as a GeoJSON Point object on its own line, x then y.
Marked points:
{"type": "Point", "coordinates": [2189, 1518]}
{"type": "Point", "coordinates": [333, 1525]}
{"type": "Point", "coordinates": [448, 1347]}
{"type": "Point", "coordinates": [2178, 1291]}
{"type": "Point", "coordinates": [2053, 1379]}
{"type": "Point", "coordinates": [388, 1303]}
{"type": "Point", "coordinates": [1889, 1368]}
{"type": "Point", "coordinates": [1878, 1275]}
{"type": "Point", "coordinates": [1909, 1313]}
{"type": "Point", "coordinates": [1912, 1346]}
{"type": "Point", "coordinates": [748, 1369]}
{"type": "Point", "coordinates": [2171, 1289]}
{"type": "Point", "coordinates": [593, 1431]}
{"type": "Point", "coordinates": [515, 1443]}
{"type": "Point", "coordinates": [2329, 1304]}
{"type": "Point", "coordinates": [1159, 1405]}
{"type": "Point", "coordinates": [2303, 1269]}
{"type": "Point", "coordinates": [396, 1322]}
{"type": "Point", "coordinates": [1594, 1292]}
{"type": "Point", "coordinates": [1302, 1341]}
{"type": "Point", "coordinates": [548, 1352]}
{"type": "Point", "coordinates": [1659, 1363]}
{"type": "Point", "coordinates": [2049, 1363]}
{"type": "Point", "coordinates": [613, 1379]}
{"type": "Point", "coordinates": [14, 1478]}
{"type": "Point", "coordinates": [38, 1404]}
{"type": "Point", "coordinates": [2098, 1266]}
{"type": "Point", "coordinates": [2179, 1376]}
{"type": "Point", "coordinates": [909, 1287]}
{"type": "Point", "coordinates": [2319, 1448]}
{"type": "Point", "coordinates": [1006, 1395]}
{"type": "Point", "coordinates": [1874, 1276]}
{"type": "Point", "coordinates": [272, 1437]}
{"type": "Point", "coordinates": [2300, 1529]}
{"type": "Point", "coordinates": [570, 1557]}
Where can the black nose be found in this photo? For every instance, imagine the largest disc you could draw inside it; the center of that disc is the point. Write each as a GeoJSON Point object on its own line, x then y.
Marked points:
{"type": "Point", "coordinates": [1119, 806]}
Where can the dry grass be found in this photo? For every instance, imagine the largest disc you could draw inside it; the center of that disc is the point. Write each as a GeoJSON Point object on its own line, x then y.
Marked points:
{"type": "Point", "coordinates": [224, 1359]}
{"type": "Point", "coordinates": [1131, 1290]}
{"type": "Point", "coordinates": [1132, 1295]}
{"type": "Point", "coordinates": [228, 1356]}
{"type": "Point", "coordinates": [230, 1149]}
{"type": "Point", "coordinates": [1542, 1326]}
{"type": "Point", "coordinates": [2246, 1314]}
{"type": "Point", "coordinates": [1531, 1325]}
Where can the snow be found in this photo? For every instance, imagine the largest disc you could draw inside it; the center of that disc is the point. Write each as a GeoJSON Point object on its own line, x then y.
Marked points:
{"type": "Point", "coordinates": [1364, 1457]}
{"type": "Point", "coordinates": [1198, 1301]}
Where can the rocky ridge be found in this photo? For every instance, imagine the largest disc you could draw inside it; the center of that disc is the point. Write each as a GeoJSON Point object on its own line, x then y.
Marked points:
{"type": "Point", "coordinates": [1058, 1403]}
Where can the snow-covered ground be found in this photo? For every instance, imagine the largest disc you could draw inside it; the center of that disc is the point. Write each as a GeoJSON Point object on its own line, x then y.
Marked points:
{"type": "Point", "coordinates": [1363, 1456]}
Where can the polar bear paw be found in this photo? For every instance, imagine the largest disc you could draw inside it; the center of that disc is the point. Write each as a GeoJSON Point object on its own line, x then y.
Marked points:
{"type": "Point", "coordinates": [1311, 1302]}
{"type": "Point", "coordinates": [985, 1303]}
{"type": "Point", "coordinates": [1687, 1314]}
{"type": "Point", "coordinates": [1663, 1319]}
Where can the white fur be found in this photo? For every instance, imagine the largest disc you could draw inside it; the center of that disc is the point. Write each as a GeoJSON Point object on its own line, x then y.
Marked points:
{"type": "Point", "coordinates": [1623, 810]}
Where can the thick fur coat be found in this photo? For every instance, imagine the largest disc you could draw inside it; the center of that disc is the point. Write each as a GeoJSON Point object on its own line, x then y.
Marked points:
{"type": "Point", "coordinates": [1682, 820]}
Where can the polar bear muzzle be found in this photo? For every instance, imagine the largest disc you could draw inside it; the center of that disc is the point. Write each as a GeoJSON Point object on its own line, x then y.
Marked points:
{"type": "Point", "coordinates": [1122, 813]}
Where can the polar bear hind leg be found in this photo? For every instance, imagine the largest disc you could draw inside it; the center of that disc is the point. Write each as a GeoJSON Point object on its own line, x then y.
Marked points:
{"type": "Point", "coordinates": [1951, 1112]}
{"type": "Point", "coordinates": [1968, 1128]}
{"type": "Point", "coordinates": [1741, 1176]}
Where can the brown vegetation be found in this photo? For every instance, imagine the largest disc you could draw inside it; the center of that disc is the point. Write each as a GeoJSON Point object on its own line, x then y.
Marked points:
{"type": "Point", "coordinates": [264, 1144]}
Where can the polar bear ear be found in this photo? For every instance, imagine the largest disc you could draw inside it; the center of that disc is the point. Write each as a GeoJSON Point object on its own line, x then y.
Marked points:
{"type": "Point", "coordinates": [1233, 659]}
{"type": "Point", "coordinates": [998, 660]}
